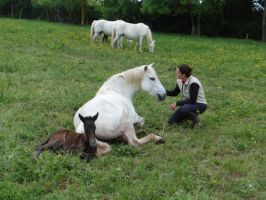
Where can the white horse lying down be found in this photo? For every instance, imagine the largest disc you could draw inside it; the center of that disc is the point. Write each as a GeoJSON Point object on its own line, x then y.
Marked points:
{"type": "Point", "coordinates": [117, 115]}
{"type": "Point", "coordinates": [105, 27]}
{"type": "Point", "coordinates": [132, 31]}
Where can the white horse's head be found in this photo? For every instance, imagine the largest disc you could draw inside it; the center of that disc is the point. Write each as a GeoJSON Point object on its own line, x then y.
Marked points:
{"type": "Point", "coordinates": [151, 83]}
{"type": "Point", "coordinates": [151, 46]}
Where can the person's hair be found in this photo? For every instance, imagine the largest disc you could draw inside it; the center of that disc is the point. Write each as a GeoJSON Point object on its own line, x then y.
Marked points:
{"type": "Point", "coordinates": [185, 69]}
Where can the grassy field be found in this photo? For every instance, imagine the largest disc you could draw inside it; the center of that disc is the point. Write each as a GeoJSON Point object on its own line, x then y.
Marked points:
{"type": "Point", "coordinates": [47, 71]}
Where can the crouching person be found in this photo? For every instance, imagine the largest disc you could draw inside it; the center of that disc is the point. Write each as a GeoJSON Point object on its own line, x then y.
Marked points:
{"type": "Point", "coordinates": [193, 99]}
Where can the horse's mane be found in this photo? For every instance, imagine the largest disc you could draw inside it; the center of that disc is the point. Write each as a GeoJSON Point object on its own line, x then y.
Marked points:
{"type": "Point", "coordinates": [133, 75]}
{"type": "Point", "coordinates": [148, 35]}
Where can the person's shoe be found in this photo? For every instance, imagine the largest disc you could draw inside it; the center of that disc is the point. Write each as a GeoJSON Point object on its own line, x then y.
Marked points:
{"type": "Point", "coordinates": [195, 120]}
{"type": "Point", "coordinates": [170, 122]}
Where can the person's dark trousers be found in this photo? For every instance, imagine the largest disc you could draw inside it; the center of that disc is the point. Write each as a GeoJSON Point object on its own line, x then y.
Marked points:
{"type": "Point", "coordinates": [186, 112]}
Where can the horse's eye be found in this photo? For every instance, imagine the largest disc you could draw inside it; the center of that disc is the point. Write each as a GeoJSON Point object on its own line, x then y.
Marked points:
{"type": "Point", "coordinates": [152, 78]}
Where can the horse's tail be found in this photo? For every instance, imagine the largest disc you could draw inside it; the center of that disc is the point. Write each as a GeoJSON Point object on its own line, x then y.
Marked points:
{"type": "Point", "coordinates": [113, 35]}
{"type": "Point", "coordinates": [92, 30]}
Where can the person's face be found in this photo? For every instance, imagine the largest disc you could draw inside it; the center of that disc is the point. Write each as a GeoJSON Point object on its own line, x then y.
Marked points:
{"type": "Point", "coordinates": [179, 75]}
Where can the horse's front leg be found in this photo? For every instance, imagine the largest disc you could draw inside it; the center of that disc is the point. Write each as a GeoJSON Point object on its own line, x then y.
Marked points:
{"type": "Point", "coordinates": [136, 46]}
{"type": "Point", "coordinates": [115, 41]}
{"type": "Point", "coordinates": [99, 38]}
{"type": "Point", "coordinates": [129, 135]}
{"type": "Point", "coordinates": [140, 44]}
{"type": "Point", "coordinates": [139, 121]}
{"type": "Point", "coordinates": [120, 45]}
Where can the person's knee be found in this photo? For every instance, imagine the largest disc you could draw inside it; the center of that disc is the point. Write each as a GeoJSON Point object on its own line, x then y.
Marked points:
{"type": "Point", "coordinates": [183, 110]}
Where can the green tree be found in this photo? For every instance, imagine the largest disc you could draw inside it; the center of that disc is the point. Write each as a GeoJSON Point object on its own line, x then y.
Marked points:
{"type": "Point", "coordinates": [128, 10]}
{"type": "Point", "coordinates": [47, 5]}
{"type": "Point", "coordinates": [172, 7]}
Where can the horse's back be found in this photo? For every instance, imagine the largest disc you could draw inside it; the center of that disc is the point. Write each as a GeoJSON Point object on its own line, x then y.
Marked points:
{"type": "Point", "coordinates": [104, 26]}
{"type": "Point", "coordinates": [131, 31]}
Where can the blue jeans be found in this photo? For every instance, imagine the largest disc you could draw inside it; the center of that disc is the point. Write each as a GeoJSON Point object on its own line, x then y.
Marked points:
{"type": "Point", "coordinates": [184, 112]}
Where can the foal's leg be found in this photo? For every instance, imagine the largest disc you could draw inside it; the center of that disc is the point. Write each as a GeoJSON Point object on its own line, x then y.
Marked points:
{"type": "Point", "coordinates": [49, 145]}
{"type": "Point", "coordinates": [130, 137]}
{"type": "Point", "coordinates": [86, 156]}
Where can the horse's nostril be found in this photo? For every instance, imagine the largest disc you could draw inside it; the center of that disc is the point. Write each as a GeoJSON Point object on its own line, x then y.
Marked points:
{"type": "Point", "coordinates": [161, 97]}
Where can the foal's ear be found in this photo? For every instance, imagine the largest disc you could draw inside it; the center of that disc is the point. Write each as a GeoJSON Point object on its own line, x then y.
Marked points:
{"type": "Point", "coordinates": [95, 116]}
{"type": "Point", "coordinates": [81, 117]}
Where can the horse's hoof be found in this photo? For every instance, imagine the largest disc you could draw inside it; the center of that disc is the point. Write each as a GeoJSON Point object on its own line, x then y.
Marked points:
{"type": "Point", "coordinates": [160, 141]}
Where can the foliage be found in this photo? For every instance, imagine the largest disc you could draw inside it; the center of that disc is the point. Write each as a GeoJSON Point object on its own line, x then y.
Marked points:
{"type": "Point", "coordinates": [47, 71]}
{"type": "Point", "coordinates": [226, 18]}
{"type": "Point", "coordinates": [121, 9]}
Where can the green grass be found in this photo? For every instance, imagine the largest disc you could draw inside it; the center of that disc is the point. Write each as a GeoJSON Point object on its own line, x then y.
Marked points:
{"type": "Point", "coordinates": [47, 71]}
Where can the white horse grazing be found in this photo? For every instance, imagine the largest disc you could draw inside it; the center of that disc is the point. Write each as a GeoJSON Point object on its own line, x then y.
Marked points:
{"type": "Point", "coordinates": [101, 26]}
{"type": "Point", "coordinates": [117, 115]}
{"type": "Point", "coordinates": [133, 31]}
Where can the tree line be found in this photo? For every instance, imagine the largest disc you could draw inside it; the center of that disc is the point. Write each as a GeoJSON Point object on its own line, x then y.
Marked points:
{"type": "Point", "coordinates": [219, 18]}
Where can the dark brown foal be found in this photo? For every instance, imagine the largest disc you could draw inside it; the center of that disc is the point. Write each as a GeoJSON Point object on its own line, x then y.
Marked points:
{"type": "Point", "coordinates": [72, 141]}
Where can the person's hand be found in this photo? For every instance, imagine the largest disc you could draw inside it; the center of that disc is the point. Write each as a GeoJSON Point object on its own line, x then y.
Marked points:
{"type": "Point", "coordinates": [172, 106]}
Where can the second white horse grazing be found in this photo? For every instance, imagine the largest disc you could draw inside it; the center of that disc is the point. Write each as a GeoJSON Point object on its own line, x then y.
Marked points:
{"type": "Point", "coordinates": [117, 114]}
{"type": "Point", "coordinates": [133, 31]}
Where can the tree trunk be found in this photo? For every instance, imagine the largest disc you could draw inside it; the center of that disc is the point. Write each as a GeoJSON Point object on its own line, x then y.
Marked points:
{"type": "Point", "coordinates": [20, 13]}
{"type": "Point", "coordinates": [58, 15]}
{"type": "Point", "coordinates": [193, 28]}
{"type": "Point", "coordinates": [12, 10]}
{"type": "Point", "coordinates": [71, 18]}
{"type": "Point", "coordinates": [198, 24]}
{"type": "Point", "coordinates": [264, 24]}
{"type": "Point", "coordinates": [47, 15]}
{"type": "Point", "coordinates": [82, 15]}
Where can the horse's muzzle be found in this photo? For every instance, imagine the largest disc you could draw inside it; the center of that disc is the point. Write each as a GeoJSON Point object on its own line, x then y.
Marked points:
{"type": "Point", "coordinates": [161, 97]}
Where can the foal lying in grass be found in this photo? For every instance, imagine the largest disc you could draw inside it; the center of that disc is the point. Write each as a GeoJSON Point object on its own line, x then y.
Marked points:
{"type": "Point", "coordinates": [72, 141]}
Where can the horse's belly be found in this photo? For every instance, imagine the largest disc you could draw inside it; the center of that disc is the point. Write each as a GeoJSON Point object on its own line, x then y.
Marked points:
{"type": "Point", "coordinates": [113, 115]}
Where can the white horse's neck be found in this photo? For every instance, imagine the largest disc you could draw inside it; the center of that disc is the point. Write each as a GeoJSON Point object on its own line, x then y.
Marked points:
{"type": "Point", "coordinates": [148, 36]}
{"type": "Point", "coordinates": [125, 83]}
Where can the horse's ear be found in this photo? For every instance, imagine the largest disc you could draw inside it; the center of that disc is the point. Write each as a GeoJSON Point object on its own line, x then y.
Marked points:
{"type": "Point", "coordinates": [145, 68]}
{"type": "Point", "coordinates": [151, 65]}
{"type": "Point", "coordinates": [81, 117]}
{"type": "Point", "coordinates": [95, 116]}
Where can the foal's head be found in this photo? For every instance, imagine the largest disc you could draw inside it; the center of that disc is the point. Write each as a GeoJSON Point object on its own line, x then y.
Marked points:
{"type": "Point", "coordinates": [90, 143]}
{"type": "Point", "coordinates": [89, 127]}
